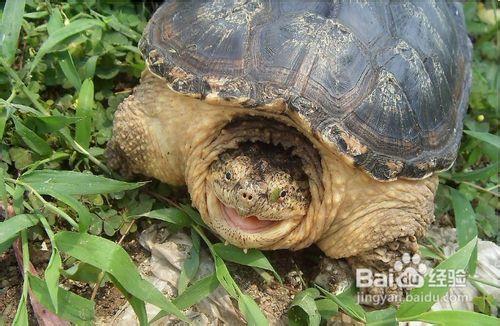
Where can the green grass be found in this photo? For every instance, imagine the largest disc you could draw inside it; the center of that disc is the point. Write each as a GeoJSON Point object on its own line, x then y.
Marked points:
{"type": "Point", "coordinates": [64, 68]}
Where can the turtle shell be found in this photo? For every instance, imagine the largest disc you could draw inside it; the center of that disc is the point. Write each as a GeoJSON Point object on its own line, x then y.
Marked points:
{"type": "Point", "coordinates": [384, 83]}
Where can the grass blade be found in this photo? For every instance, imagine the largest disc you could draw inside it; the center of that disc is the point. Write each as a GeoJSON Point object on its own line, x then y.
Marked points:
{"type": "Point", "coordinates": [88, 69]}
{"type": "Point", "coordinates": [475, 175]}
{"type": "Point", "coordinates": [4, 246]}
{"type": "Point", "coordinates": [327, 308]}
{"type": "Point", "coordinates": [465, 222]}
{"type": "Point", "coordinates": [71, 307]}
{"type": "Point", "coordinates": [385, 317]}
{"type": "Point", "coordinates": [113, 259]}
{"type": "Point", "coordinates": [251, 311]}
{"type": "Point", "coordinates": [4, 115]}
{"type": "Point", "coordinates": [12, 19]}
{"type": "Point", "coordinates": [485, 137]}
{"type": "Point", "coordinates": [12, 226]}
{"type": "Point", "coordinates": [68, 67]}
{"type": "Point", "coordinates": [75, 27]}
{"type": "Point", "coordinates": [74, 183]}
{"type": "Point", "coordinates": [138, 305]}
{"type": "Point", "coordinates": [225, 278]}
{"type": "Point", "coordinates": [197, 292]}
{"type": "Point", "coordinates": [457, 318]}
{"type": "Point", "coordinates": [85, 218]}
{"type": "Point", "coordinates": [459, 260]}
{"type": "Point", "coordinates": [35, 142]}
{"type": "Point", "coordinates": [347, 302]}
{"type": "Point", "coordinates": [52, 273]}
{"type": "Point", "coordinates": [303, 309]}
{"type": "Point", "coordinates": [84, 108]}
{"type": "Point", "coordinates": [54, 123]}
{"type": "Point", "coordinates": [21, 317]}
{"type": "Point", "coordinates": [193, 294]}
{"type": "Point", "coordinates": [252, 257]}
{"type": "Point", "coordinates": [191, 264]}
{"type": "Point", "coordinates": [170, 215]}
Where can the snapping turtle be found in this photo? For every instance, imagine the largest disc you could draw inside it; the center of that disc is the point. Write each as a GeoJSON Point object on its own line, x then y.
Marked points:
{"type": "Point", "coordinates": [366, 99]}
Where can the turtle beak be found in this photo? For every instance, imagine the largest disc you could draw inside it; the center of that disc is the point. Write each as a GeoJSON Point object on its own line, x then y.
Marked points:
{"type": "Point", "coordinates": [242, 212]}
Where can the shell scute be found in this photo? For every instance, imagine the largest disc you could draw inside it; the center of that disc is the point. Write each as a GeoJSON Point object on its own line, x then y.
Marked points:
{"type": "Point", "coordinates": [383, 83]}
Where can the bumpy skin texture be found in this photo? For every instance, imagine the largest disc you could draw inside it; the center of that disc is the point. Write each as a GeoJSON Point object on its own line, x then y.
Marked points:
{"type": "Point", "coordinates": [158, 133]}
{"type": "Point", "coordinates": [261, 180]}
{"type": "Point", "coordinates": [360, 92]}
{"type": "Point", "coordinates": [384, 83]}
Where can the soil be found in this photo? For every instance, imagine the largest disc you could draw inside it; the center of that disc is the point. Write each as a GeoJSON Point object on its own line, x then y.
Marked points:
{"type": "Point", "coordinates": [108, 299]}
{"type": "Point", "coordinates": [298, 270]}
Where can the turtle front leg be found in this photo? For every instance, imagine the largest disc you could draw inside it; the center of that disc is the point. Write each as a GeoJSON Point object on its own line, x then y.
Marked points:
{"type": "Point", "coordinates": [385, 274]}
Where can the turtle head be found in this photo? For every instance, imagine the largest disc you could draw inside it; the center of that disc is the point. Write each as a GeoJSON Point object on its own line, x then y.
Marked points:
{"type": "Point", "coordinates": [258, 184]}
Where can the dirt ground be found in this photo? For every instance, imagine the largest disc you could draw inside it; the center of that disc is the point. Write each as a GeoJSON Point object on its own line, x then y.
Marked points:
{"type": "Point", "coordinates": [108, 299]}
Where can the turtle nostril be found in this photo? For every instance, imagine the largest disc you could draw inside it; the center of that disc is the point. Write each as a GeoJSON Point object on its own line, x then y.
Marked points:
{"type": "Point", "coordinates": [250, 197]}
{"type": "Point", "coordinates": [244, 195]}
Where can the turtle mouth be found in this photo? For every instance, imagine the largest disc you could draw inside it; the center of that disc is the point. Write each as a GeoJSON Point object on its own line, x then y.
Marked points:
{"type": "Point", "coordinates": [249, 224]}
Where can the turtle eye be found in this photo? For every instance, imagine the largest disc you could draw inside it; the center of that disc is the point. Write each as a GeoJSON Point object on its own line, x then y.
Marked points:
{"type": "Point", "coordinates": [228, 175]}
{"type": "Point", "coordinates": [283, 193]}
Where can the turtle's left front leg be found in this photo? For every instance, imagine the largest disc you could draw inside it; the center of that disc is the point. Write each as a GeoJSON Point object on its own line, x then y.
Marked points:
{"type": "Point", "coordinates": [385, 274]}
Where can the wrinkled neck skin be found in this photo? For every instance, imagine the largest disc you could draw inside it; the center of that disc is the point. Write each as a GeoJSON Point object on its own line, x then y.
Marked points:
{"type": "Point", "coordinates": [349, 212]}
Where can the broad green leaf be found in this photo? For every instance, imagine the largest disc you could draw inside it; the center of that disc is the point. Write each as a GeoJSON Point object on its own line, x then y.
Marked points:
{"type": "Point", "coordinates": [88, 69]}
{"type": "Point", "coordinates": [74, 183]}
{"type": "Point", "coordinates": [479, 174]}
{"type": "Point", "coordinates": [75, 27]}
{"type": "Point", "coordinates": [465, 222]}
{"type": "Point", "coordinates": [55, 21]}
{"type": "Point", "coordinates": [35, 142]}
{"type": "Point", "coordinates": [327, 308]}
{"type": "Point", "coordinates": [303, 310]}
{"type": "Point", "coordinates": [486, 137]}
{"type": "Point", "coordinates": [113, 22]}
{"type": "Point", "coordinates": [7, 244]}
{"type": "Point", "coordinates": [483, 303]}
{"type": "Point", "coordinates": [12, 19]}
{"type": "Point", "coordinates": [385, 317]}
{"type": "Point", "coordinates": [458, 261]}
{"type": "Point", "coordinates": [347, 302]}
{"type": "Point", "coordinates": [20, 107]}
{"type": "Point", "coordinates": [426, 252]}
{"type": "Point", "coordinates": [70, 306]}
{"type": "Point", "coordinates": [64, 59]}
{"type": "Point", "coordinates": [225, 278]}
{"type": "Point", "coordinates": [113, 259]}
{"type": "Point", "coordinates": [252, 257]}
{"type": "Point", "coordinates": [4, 115]}
{"type": "Point", "coordinates": [51, 274]}
{"type": "Point", "coordinates": [21, 317]}
{"type": "Point", "coordinates": [84, 272]}
{"type": "Point", "coordinates": [84, 112]}
{"type": "Point", "coordinates": [68, 67]}
{"type": "Point", "coordinates": [55, 123]}
{"type": "Point", "coordinates": [170, 215]}
{"type": "Point", "coordinates": [192, 213]}
{"type": "Point", "coordinates": [191, 264]}
{"type": "Point", "coordinates": [85, 218]}
{"type": "Point", "coordinates": [138, 305]}
{"type": "Point", "coordinates": [54, 157]}
{"type": "Point", "coordinates": [11, 227]}
{"type": "Point", "coordinates": [3, 191]}
{"type": "Point", "coordinates": [198, 291]}
{"type": "Point", "coordinates": [251, 311]}
{"type": "Point", "coordinates": [457, 318]}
